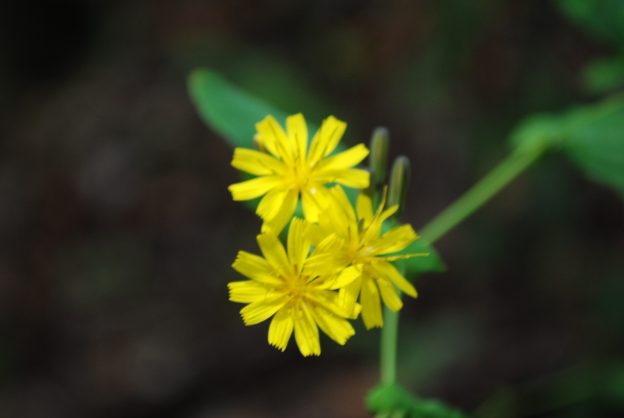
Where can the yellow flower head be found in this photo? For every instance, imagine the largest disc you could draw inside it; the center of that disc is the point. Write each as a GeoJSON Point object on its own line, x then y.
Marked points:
{"type": "Point", "coordinates": [351, 244]}
{"type": "Point", "coordinates": [287, 170]}
{"type": "Point", "coordinates": [280, 287]}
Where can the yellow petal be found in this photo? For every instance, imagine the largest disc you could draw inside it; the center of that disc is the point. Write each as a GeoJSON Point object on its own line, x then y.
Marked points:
{"type": "Point", "coordinates": [298, 133]}
{"type": "Point", "coordinates": [274, 252]}
{"type": "Point", "coordinates": [256, 162]}
{"type": "Point", "coordinates": [298, 244]}
{"type": "Point", "coordinates": [320, 264]}
{"type": "Point", "coordinates": [387, 271]}
{"type": "Point", "coordinates": [250, 189]}
{"type": "Point", "coordinates": [364, 206]}
{"type": "Point", "coordinates": [328, 299]}
{"type": "Point", "coordinates": [374, 228]}
{"type": "Point", "coordinates": [326, 139]}
{"type": "Point", "coordinates": [261, 310]}
{"type": "Point", "coordinates": [371, 307]}
{"type": "Point", "coordinates": [274, 139]}
{"type": "Point", "coordinates": [270, 204]}
{"type": "Point", "coordinates": [388, 212]}
{"type": "Point", "coordinates": [314, 200]}
{"type": "Point", "coordinates": [346, 276]}
{"type": "Point", "coordinates": [281, 329]}
{"type": "Point", "coordinates": [306, 333]}
{"type": "Point", "coordinates": [315, 234]}
{"type": "Point", "coordinates": [346, 159]}
{"type": "Point", "coordinates": [247, 291]}
{"type": "Point", "coordinates": [395, 240]}
{"type": "Point", "coordinates": [323, 266]}
{"type": "Point", "coordinates": [338, 329]}
{"type": "Point", "coordinates": [343, 210]}
{"type": "Point", "coordinates": [256, 268]}
{"type": "Point", "coordinates": [350, 177]}
{"type": "Point", "coordinates": [326, 258]}
{"type": "Point", "coordinates": [278, 221]}
{"type": "Point", "coordinates": [389, 295]}
{"type": "Point", "coordinates": [404, 256]}
{"type": "Point", "coordinates": [348, 296]}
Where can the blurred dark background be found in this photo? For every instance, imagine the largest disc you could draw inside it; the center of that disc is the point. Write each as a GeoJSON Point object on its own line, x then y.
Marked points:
{"type": "Point", "coordinates": [117, 231]}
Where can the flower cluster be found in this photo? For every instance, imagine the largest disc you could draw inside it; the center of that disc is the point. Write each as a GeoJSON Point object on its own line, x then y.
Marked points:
{"type": "Point", "coordinates": [338, 260]}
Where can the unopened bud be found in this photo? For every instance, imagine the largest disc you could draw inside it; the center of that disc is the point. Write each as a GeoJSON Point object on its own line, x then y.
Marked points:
{"type": "Point", "coordinates": [378, 160]}
{"type": "Point", "coordinates": [399, 182]}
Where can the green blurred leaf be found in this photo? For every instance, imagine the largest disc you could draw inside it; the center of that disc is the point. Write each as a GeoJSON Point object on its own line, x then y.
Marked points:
{"type": "Point", "coordinates": [594, 140]}
{"type": "Point", "coordinates": [592, 136]}
{"type": "Point", "coordinates": [394, 400]}
{"type": "Point", "coordinates": [604, 19]}
{"type": "Point", "coordinates": [230, 111]}
{"type": "Point", "coordinates": [604, 75]}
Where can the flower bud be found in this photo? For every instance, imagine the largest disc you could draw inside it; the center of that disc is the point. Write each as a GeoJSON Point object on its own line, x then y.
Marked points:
{"type": "Point", "coordinates": [399, 181]}
{"type": "Point", "coordinates": [378, 160]}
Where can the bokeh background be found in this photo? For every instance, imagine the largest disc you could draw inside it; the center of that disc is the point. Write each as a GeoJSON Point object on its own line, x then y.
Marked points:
{"type": "Point", "coordinates": [117, 231]}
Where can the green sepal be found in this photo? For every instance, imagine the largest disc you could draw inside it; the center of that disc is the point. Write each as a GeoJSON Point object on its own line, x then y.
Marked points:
{"type": "Point", "coordinates": [393, 400]}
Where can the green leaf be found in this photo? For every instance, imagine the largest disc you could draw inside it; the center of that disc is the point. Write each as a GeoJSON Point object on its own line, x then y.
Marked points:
{"type": "Point", "coordinates": [395, 401]}
{"type": "Point", "coordinates": [230, 111]}
{"type": "Point", "coordinates": [592, 136]}
{"type": "Point", "coordinates": [604, 75]}
{"type": "Point", "coordinates": [594, 140]}
{"type": "Point", "coordinates": [604, 19]}
{"type": "Point", "coordinates": [430, 262]}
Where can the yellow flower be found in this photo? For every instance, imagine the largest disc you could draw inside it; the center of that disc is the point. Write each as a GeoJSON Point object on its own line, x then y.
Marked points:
{"type": "Point", "coordinates": [280, 288]}
{"type": "Point", "coordinates": [287, 170]}
{"type": "Point", "coordinates": [351, 242]}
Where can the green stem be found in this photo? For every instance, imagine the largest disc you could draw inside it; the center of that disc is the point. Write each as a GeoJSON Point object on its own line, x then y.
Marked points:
{"type": "Point", "coordinates": [389, 339]}
{"type": "Point", "coordinates": [463, 207]}
{"type": "Point", "coordinates": [480, 193]}
{"type": "Point", "coordinates": [397, 190]}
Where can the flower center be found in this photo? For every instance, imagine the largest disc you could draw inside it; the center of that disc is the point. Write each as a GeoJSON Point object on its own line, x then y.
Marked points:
{"type": "Point", "coordinates": [359, 252]}
{"type": "Point", "coordinates": [295, 288]}
{"type": "Point", "coordinates": [300, 176]}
